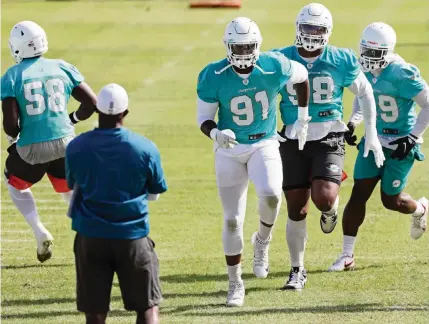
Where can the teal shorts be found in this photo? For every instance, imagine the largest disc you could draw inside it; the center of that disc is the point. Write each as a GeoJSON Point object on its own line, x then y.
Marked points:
{"type": "Point", "coordinates": [393, 174]}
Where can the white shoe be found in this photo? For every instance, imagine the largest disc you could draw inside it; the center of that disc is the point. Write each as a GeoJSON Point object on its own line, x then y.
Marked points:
{"type": "Point", "coordinates": [343, 263]}
{"type": "Point", "coordinates": [44, 246]}
{"type": "Point", "coordinates": [419, 223]}
{"type": "Point", "coordinates": [261, 265]}
{"type": "Point", "coordinates": [297, 279]}
{"type": "Point", "coordinates": [328, 223]}
{"type": "Point", "coordinates": [236, 293]}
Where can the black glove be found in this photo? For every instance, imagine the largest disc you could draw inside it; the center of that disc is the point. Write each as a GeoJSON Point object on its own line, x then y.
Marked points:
{"type": "Point", "coordinates": [348, 135]}
{"type": "Point", "coordinates": [73, 119]}
{"type": "Point", "coordinates": [405, 145]}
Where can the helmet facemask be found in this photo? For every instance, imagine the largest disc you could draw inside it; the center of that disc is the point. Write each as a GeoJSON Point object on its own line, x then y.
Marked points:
{"type": "Point", "coordinates": [372, 58]}
{"type": "Point", "coordinates": [243, 55]}
{"type": "Point", "coordinates": [311, 37]}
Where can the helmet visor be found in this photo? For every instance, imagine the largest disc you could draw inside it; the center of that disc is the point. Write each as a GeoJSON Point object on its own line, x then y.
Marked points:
{"type": "Point", "coordinates": [312, 30]}
{"type": "Point", "coordinates": [243, 49]}
{"type": "Point", "coordinates": [372, 53]}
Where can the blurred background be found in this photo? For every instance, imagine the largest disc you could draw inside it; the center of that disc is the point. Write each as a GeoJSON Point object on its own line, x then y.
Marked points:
{"type": "Point", "coordinates": [155, 49]}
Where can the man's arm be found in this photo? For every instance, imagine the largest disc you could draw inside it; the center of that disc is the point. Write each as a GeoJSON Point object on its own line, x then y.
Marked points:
{"type": "Point", "coordinates": [422, 99]}
{"type": "Point", "coordinates": [156, 181]}
{"type": "Point", "coordinates": [10, 117]}
{"type": "Point", "coordinates": [206, 112]}
{"type": "Point", "coordinates": [87, 98]}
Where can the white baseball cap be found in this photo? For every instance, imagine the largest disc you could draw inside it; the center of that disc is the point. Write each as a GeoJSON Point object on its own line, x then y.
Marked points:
{"type": "Point", "coordinates": [112, 99]}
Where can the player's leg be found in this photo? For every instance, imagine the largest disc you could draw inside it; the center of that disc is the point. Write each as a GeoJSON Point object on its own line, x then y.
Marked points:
{"type": "Point", "coordinates": [265, 171]}
{"type": "Point", "coordinates": [327, 167]}
{"type": "Point", "coordinates": [392, 185]}
{"type": "Point", "coordinates": [366, 177]}
{"type": "Point", "coordinates": [232, 181]}
{"type": "Point", "coordinates": [20, 176]}
{"type": "Point", "coordinates": [296, 186]}
{"type": "Point", "coordinates": [57, 175]}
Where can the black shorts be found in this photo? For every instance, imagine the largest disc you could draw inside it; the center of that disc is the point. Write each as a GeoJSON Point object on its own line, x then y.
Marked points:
{"type": "Point", "coordinates": [321, 159]}
{"type": "Point", "coordinates": [32, 173]}
{"type": "Point", "coordinates": [135, 263]}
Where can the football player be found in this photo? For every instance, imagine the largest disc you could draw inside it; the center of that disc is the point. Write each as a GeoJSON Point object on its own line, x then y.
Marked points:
{"type": "Point", "coordinates": [398, 86]}
{"type": "Point", "coordinates": [243, 89]}
{"type": "Point", "coordinates": [318, 169]}
{"type": "Point", "coordinates": [34, 95]}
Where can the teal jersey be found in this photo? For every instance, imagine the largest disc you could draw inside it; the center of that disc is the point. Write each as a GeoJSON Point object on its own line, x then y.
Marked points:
{"type": "Point", "coordinates": [393, 90]}
{"type": "Point", "coordinates": [42, 88]}
{"type": "Point", "coordinates": [334, 70]}
{"type": "Point", "coordinates": [246, 106]}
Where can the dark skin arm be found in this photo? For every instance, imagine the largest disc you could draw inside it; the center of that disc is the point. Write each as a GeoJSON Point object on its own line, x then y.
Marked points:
{"type": "Point", "coordinates": [10, 116]}
{"type": "Point", "coordinates": [87, 98]}
{"type": "Point", "coordinates": [303, 93]}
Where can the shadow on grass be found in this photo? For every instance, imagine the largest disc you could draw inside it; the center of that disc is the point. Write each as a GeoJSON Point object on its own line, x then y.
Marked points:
{"type": "Point", "coordinates": [38, 265]}
{"type": "Point", "coordinates": [205, 310]}
{"type": "Point", "coordinates": [114, 313]}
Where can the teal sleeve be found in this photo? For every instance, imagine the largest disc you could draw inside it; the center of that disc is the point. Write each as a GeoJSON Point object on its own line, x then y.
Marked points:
{"type": "Point", "coordinates": [157, 183]}
{"type": "Point", "coordinates": [206, 90]}
{"type": "Point", "coordinates": [411, 82]}
{"type": "Point", "coordinates": [352, 68]}
{"type": "Point", "coordinates": [7, 86]}
{"type": "Point", "coordinates": [285, 68]}
{"type": "Point", "coordinates": [73, 73]}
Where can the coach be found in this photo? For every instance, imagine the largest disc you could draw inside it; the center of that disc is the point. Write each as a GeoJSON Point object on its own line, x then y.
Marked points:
{"type": "Point", "coordinates": [114, 172]}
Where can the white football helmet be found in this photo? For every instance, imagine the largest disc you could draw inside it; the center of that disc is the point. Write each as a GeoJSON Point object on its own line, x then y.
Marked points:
{"type": "Point", "coordinates": [313, 27]}
{"type": "Point", "coordinates": [27, 39]}
{"type": "Point", "coordinates": [376, 46]}
{"type": "Point", "coordinates": [242, 41]}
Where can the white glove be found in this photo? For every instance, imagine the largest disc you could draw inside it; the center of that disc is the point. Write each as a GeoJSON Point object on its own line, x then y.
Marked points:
{"type": "Point", "coordinates": [225, 138]}
{"type": "Point", "coordinates": [300, 127]}
{"type": "Point", "coordinates": [11, 139]}
{"type": "Point", "coordinates": [372, 143]}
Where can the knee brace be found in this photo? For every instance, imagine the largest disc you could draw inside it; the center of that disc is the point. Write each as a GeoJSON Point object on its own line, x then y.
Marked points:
{"type": "Point", "coordinates": [269, 207]}
{"type": "Point", "coordinates": [232, 236]}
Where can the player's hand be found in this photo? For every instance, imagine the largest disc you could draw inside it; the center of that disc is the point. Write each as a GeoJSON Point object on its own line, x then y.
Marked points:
{"type": "Point", "coordinates": [225, 138]}
{"type": "Point", "coordinates": [373, 144]}
{"type": "Point", "coordinates": [280, 137]}
{"type": "Point", "coordinates": [11, 139]}
{"type": "Point", "coordinates": [300, 130]}
{"type": "Point", "coordinates": [348, 135]}
{"type": "Point", "coordinates": [405, 145]}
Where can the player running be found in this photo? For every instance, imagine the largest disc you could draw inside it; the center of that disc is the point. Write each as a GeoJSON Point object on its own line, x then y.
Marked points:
{"type": "Point", "coordinates": [34, 95]}
{"type": "Point", "coordinates": [317, 170]}
{"type": "Point", "coordinates": [244, 88]}
{"type": "Point", "coordinates": [398, 86]}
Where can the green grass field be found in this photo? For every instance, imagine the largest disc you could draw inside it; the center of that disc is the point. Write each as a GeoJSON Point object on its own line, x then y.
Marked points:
{"type": "Point", "coordinates": [155, 49]}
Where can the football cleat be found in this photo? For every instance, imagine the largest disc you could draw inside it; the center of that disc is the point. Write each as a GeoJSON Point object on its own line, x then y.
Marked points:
{"type": "Point", "coordinates": [44, 247]}
{"type": "Point", "coordinates": [236, 291]}
{"type": "Point", "coordinates": [297, 279]}
{"type": "Point", "coordinates": [260, 256]}
{"type": "Point", "coordinates": [343, 263]}
{"type": "Point", "coordinates": [419, 223]}
{"type": "Point", "coordinates": [328, 223]}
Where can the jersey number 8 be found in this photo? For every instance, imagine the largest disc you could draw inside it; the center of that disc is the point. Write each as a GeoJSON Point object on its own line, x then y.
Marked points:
{"type": "Point", "coordinates": [35, 92]}
{"type": "Point", "coordinates": [247, 111]}
{"type": "Point", "coordinates": [323, 87]}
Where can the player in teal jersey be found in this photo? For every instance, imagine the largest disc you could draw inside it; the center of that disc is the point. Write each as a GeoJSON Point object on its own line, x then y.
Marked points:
{"type": "Point", "coordinates": [318, 169]}
{"type": "Point", "coordinates": [243, 89]}
{"type": "Point", "coordinates": [34, 95]}
{"type": "Point", "coordinates": [398, 86]}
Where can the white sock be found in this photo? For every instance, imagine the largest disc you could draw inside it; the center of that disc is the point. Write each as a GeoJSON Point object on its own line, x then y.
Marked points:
{"type": "Point", "coordinates": [234, 272]}
{"type": "Point", "coordinates": [67, 196]}
{"type": "Point", "coordinates": [296, 237]}
{"type": "Point", "coordinates": [348, 244]}
{"type": "Point", "coordinates": [264, 232]}
{"type": "Point", "coordinates": [24, 201]}
{"type": "Point", "coordinates": [334, 208]}
{"type": "Point", "coordinates": [420, 209]}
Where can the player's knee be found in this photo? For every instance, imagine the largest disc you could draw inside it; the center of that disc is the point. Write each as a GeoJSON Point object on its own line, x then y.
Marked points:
{"type": "Point", "coordinates": [324, 201]}
{"type": "Point", "coordinates": [391, 202]}
{"type": "Point", "coordinates": [232, 225]}
{"type": "Point", "coordinates": [269, 208]}
{"type": "Point", "coordinates": [271, 201]}
{"type": "Point", "coordinates": [297, 205]}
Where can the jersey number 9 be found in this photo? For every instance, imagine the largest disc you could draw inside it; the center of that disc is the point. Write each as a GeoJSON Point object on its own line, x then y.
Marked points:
{"type": "Point", "coordinates": [37, 91]}
{"type": "Point", "coordinates": [247, 112]}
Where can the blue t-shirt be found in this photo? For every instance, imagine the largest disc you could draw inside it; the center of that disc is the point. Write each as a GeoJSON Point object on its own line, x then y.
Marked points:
{"type": "Point", "coordinates": [112, 172]}
{"type": "Point", "coordinates": [42, 87]}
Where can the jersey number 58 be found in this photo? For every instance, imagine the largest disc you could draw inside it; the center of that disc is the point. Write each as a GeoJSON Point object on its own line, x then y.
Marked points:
{"type": "Point", "coordinates": [36, 92]}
